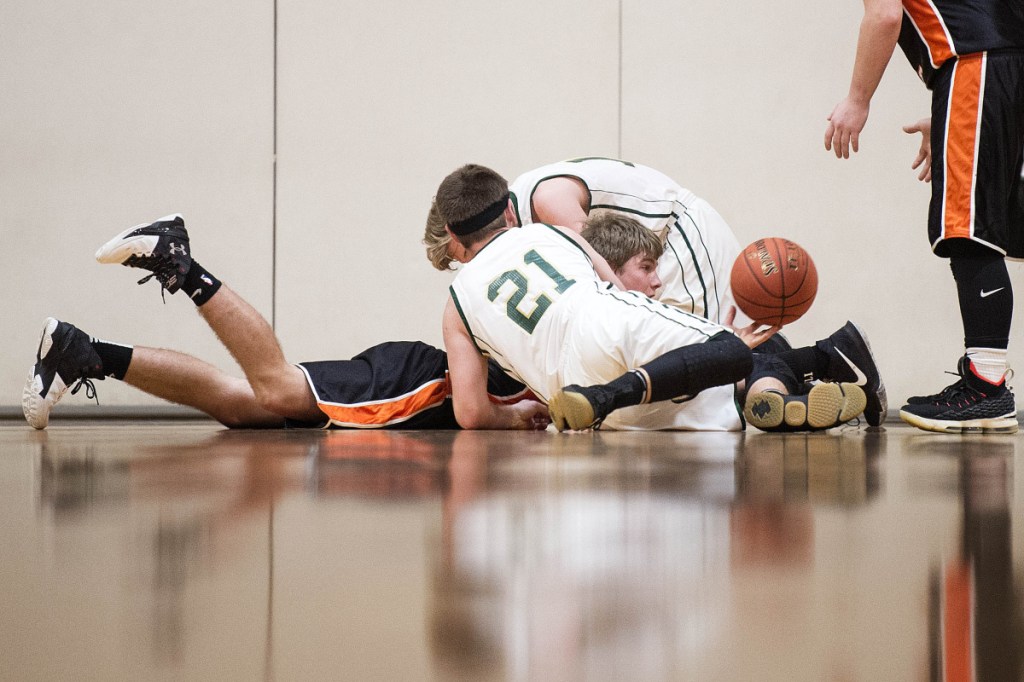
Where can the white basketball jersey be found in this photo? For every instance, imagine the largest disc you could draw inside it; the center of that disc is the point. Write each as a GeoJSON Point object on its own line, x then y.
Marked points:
{"type": "Point", "coordinates": [699, 246]}
{"type": "Point", "coordinates": [513, 299]}
{"type": "Point", "coordinates": [532, 301]}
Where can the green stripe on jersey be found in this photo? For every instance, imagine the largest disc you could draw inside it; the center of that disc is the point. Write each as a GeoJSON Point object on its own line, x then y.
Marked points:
{"type": "Point", "coordinates": [469, 329]}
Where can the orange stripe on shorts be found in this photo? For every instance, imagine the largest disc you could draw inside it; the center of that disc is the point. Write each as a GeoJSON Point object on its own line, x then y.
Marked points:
{"type": "Point", "coordinates": [961, 147]}
{"type": "Point", "coordinates": [383, 412]}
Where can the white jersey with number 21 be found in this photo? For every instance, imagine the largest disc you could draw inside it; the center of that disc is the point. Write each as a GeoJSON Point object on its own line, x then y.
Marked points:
{"type": "Point", "coordinates": [531, 300]}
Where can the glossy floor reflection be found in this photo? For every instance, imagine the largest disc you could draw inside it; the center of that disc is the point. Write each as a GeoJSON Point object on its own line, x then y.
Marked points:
{"type": "Point", "coordinates": [150, 551]}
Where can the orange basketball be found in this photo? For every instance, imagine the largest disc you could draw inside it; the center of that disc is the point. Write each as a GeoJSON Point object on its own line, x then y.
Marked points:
{"type": "Point", "coordinates": [774, 281]}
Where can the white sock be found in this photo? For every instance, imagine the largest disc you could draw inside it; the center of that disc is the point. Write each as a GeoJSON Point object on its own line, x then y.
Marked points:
{"type": "Point", "coordinates": [989, 363]}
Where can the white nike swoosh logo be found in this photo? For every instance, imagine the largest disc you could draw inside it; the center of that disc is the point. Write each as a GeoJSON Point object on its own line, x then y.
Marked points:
{"type": "Point", "coordinates": [989, 293]}
{"type": "Point", "coordinates": [861, 378]}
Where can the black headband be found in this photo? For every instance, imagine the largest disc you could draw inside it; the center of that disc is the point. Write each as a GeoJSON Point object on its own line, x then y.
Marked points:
{"type": "Point", "coordinates": [481, 219]}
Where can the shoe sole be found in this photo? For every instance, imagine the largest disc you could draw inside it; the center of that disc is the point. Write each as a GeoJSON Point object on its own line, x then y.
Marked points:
{"type": "Point", "coordinates": [571, 411]}
{"type": "Point", "coordinates": [875, 413]}
{"type": "Point", "coordinates": [828, 405]}
{"type": "Point", "coordinates": [765, 410]}
{"type": "Point", "coordinates": [31, 400]}
{"type": "Point", "coordinates": [121, 248]}
{"type": "Point", "coordinates": [1004, 424]}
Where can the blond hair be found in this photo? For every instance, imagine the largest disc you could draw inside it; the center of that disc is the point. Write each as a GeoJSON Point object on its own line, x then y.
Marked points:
{"type": "Point", "coordinates": [617, 237]}
{"type": "Point", "coordinates": [437, 239]}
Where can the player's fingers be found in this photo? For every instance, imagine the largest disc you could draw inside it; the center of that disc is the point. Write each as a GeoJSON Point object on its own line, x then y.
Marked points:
{"type": "Point", "coordinates": [730, 316]}
{"type": "Point", "coordinates": [855, 142]}
{"type": "Point", "coordinates": [928, 175]}
{"type": "Point", "coordinates": [829, 132]}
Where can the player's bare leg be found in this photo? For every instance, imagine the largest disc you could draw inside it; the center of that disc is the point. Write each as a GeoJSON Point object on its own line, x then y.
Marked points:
{"type": "Point", "coordinates": [278, 386]}
{"type": "Point", "coordinates": [185, 380]}
{"type": "Point", "coordinates": [69, 359]}
{"type": "Point", "coordinates": [163, 248]}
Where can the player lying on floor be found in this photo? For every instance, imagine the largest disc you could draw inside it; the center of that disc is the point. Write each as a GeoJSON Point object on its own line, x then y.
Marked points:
{"type": "Point", "coordinates": [401, 384]}
{"type": "Point", "coordinates": [532, 299]}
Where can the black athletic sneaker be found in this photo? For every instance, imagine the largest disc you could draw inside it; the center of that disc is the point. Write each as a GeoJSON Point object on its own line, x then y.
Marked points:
{"type": "Point", "coordinates": [580, 407]}
{"type": "Point", "coordinates": [65, 355]}
{"type": "Point", "coordinates": [851, 361]}
{"type": "Point", "coordinates": [160, 247]}
{"type": "Point", "coordinates": [971, 404]}
{"type": "Point", "coordinates": [825, 406]}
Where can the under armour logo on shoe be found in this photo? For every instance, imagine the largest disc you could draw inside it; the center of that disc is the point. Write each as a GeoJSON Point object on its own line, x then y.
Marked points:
{"type": "Point", "coordinates": [177, 249]}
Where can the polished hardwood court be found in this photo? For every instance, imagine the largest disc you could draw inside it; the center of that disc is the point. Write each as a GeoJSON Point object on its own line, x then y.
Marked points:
{"type": "Point", "coordinates": [145, 550]}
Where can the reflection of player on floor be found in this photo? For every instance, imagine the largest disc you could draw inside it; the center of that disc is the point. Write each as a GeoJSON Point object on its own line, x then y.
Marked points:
{"type": "Point", "coordinates": [399, 384]}
{"type": "Point", "coordinates": [533, 299]}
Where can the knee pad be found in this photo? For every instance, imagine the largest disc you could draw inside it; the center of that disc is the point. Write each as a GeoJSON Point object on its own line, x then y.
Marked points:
{"type": "Point", "coordinates": [722, 359]}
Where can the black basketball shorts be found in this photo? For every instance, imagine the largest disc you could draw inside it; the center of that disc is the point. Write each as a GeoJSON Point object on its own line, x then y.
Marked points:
{"type": "Point", "coordinates": [394, 385]}
{"type": "Point", "coordinates": [977, 152]}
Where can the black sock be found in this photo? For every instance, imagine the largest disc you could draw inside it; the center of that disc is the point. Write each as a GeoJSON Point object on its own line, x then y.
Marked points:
{"type": "Point", "coordinates": [986, 299]}
{"type": "Point", "coordinates": [628, 389]}
{"type": "Point", "coordinates": [199, 284]}
{"type": "Point", "coordinates": [115, 357]}
{"type": "Point", "coordinates": [808, 363]}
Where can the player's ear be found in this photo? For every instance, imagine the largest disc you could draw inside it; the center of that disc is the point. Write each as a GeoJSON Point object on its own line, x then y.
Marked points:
{"type": "Point", "coordinates": [510, 215]}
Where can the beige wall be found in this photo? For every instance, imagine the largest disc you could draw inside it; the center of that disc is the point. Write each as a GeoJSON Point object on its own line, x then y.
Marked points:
{"type": "Point", "coordinates": [118, 114]}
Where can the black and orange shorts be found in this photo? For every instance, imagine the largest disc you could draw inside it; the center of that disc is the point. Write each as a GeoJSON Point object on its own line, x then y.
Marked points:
{"type": "Point", "coordinates": [977, 153]}
{"type": "Point", "coordinates": [394, 385]}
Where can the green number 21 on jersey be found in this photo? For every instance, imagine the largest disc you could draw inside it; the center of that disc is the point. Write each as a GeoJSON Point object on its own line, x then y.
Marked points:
{"type": "Point", "coordinates": [517, 278]}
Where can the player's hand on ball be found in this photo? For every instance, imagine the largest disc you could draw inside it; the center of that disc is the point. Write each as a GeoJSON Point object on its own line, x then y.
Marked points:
{"type": "Point", "coordinates": [754, 334]}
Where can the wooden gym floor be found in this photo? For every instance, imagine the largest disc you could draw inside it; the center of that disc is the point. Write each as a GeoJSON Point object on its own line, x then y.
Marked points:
{"type": "Point", "coordinates": [143, 550]}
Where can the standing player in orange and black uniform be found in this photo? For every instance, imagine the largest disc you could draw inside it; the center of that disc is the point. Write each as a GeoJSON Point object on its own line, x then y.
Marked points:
{"type": "Point", "coordinates": [970, 54]}
{"type": "Point", "coordinates": [399, 384]}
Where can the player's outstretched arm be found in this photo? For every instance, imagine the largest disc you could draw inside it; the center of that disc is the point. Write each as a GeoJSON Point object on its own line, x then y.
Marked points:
{"type": "Point", "coordinates": [879, 31]}
{"type": "Point", "coordinates": [467, 370]}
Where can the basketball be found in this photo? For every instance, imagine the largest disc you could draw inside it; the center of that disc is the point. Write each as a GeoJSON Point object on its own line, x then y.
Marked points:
{"type": "Point", "coordinates": [774, 281]}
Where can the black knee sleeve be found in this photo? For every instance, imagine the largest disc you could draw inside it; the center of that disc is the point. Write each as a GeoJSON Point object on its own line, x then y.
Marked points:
{"type": "Point", "coordinates": [722, 359]}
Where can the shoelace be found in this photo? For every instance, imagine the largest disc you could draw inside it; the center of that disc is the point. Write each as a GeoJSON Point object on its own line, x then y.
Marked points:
{"type": "Point", "coordinates": [163, 288]}
{"type": "Point", "coordinates": [90, 389]}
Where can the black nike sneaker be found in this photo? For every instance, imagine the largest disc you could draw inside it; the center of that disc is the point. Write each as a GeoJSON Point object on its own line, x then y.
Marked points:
{"type": "Point", "coordinates": [65, 355]}
{"type": "Point", "coordinates": [851, 360]}
{"type": "Point", "coordinates": [825, 406]}
{"type": "Point", "coordinates": [161, 247]}
{"type": "Point", "coordinates": [969, 405]}
{"type": "Point", "coordinates": [580, 407]}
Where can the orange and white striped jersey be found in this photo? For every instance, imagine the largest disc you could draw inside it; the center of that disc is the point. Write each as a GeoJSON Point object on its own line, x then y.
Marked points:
{"type": "Point", "coordinates": [935, 31]}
